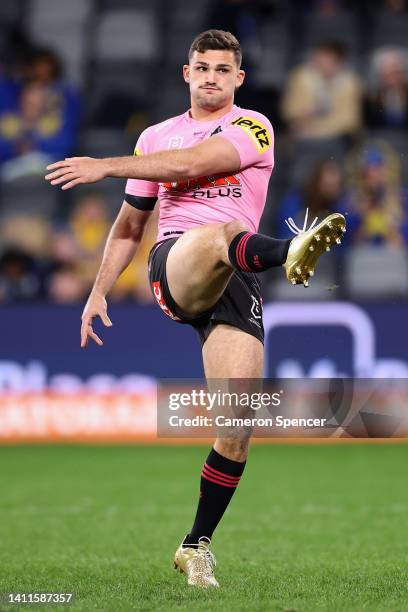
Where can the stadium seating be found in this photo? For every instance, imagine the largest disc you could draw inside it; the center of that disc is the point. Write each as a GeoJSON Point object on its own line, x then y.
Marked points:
{"type": "Point", "coordinates": [322, 287]}
{"type": "Point", "coordinates": [308, 153]}
{"type": "Point", "coordinates": [122, 56]}
{"type": "Point", "coordinates": [31, 195]}
{"type": "Point", "coordinates": [390, 29]}
{"type": "Point", "coordinates": [49, 11]}
{"type": "Point", "coordinates": [106, 143]}
{"type": "Point", "coordinates": [62, 26]}
{"type": "Point", "coordinates": [272, 61]}
{"type": "Point", "coordinates": [126, 35]}
{"type": "Point", "coordinates": [184, 19]}
{"type": "Point", "coordinates": [127, 55]}
{"type": "Point", "coordinates": [10, 11]}
{"type": "Point", "coordinates": [376, 271]}
{"type": "Point", "coordinates": [340, 26]}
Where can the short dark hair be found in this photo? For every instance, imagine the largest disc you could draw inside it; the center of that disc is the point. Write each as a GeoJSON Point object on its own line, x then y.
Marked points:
{"type": "Point", "coordinates": [335, 47]}
{"type": "Point", "coordinates": [44, 54]}
{"type": "Point", "coordinates": [216, 39]}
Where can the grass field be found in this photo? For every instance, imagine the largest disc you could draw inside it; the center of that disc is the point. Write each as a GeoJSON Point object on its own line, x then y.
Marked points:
{"type": "Point", "coordinates": [310, 528]}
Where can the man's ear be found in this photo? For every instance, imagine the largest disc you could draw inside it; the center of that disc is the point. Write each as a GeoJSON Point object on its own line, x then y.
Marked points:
{"type": "Point", "coordinates": [186, 73]}
{"type": "Point", "coordinates": [240, 78]}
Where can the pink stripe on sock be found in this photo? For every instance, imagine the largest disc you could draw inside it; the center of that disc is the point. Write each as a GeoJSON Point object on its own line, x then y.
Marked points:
{"type": "Point", "coordinates": [208, 474]}
{"type": "Point", "coordinates": [240, 252]}
{"type": "Point", "coordinates": [219, 474]}
{"type": "Point", "coordinates": [217, 481]}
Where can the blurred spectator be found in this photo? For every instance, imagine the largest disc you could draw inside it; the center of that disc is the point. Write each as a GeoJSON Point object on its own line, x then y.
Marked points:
{"type": "Point", "coordinates": [322, 195]}
{"type": "Point", "coordinates": [64, 282]}
{"type": "Point", "coordinates": [323, 97]}
{"type": "Point", "coordinates": [320, 7]}
{"type": "Point", "coordinates": [77, 250]}
{"type": "Point", "coordinates": [386, 105]}
{"type": "Point", "coordinates": [396, 7]}
{"type": "Point", "coordinates": [133, 283]}
{"type": "Point", "coordinates": [65, 285]}
{"type": "Point", "coordinates": [29, 233]}
{"type": "Point", "coordinates": [9, 94]}
{"type": "Point", "coordinates": [14, 49]}
{"type": "Point", "coordinates": [42, 125]}
{"type": "Point", "coordinates": [44, 68]}
{"type": "Point", "coordinates": [327, 7]}
{"type": "Point", "coordinates": [20, 277]}
{"type": "Point", "coordinates": [378, 200]}
{"type": "Point", "coordinates": [89, 225]}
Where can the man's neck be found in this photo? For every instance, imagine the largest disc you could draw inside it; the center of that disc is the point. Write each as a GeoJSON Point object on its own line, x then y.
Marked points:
{"type": "Point", "coordinates": [203, 114]}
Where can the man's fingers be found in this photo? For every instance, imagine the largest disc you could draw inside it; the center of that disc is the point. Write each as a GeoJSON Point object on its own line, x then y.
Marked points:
{"type": "Point", "coordinates": [94, 337]}
{"type": "Point", "coordinates": [70, 176]}
{"type": "Point", "coordinates": [63, 162]}
{"type": "Point", "coordinates": [58, 164]}
{"type": "Point", "coordinates": [106, 320]}
{"type": "Point", "coordinates": [86, 333]}
{"type": "Point", "coordinates": [77, 181]}
{"type": "Point", "coordinates": [66, 177]}
{"type": "Point", "coordinates": [57, 173]}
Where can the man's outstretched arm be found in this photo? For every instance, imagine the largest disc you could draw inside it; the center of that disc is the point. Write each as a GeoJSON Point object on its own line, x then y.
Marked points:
{"type": "Point", "coordinates": [120, 248]}
{"type": "Point", "coordinates": [213, 156]}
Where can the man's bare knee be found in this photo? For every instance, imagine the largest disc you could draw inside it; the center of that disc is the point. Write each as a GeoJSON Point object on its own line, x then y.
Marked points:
{"type": "Point", "coordinates": [227, 233]}
{"type": "Point", "coordinates": [232, 228]}
{"type": "Point", "coordinates": [235, 447]}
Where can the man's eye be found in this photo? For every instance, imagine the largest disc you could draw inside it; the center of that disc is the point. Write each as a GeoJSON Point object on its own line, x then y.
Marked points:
{"type": "Point", "coordinates": [201, 68]}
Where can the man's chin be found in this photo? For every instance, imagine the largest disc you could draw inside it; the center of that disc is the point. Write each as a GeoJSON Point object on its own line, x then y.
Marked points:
{"type": "Point", "coordinates": [210, 102]}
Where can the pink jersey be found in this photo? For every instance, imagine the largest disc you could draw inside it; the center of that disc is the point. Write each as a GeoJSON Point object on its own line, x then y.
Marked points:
{"type": "Point", "coordinates": [210, 199]}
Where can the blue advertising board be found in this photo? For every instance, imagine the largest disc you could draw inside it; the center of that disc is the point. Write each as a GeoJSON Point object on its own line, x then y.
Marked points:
{"type": "Point", "coordinates": [39, 345]}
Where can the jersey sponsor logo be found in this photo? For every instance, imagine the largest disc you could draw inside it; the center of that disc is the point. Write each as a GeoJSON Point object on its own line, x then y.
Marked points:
{"type": "Point", "coordinates": [158, 294]}
{"type": "Point", "coordinates": [208, 186]}
{"type": "Point", "coordinates": [257, 132]}
{"type": "Point", "coordinates": [175, 142]}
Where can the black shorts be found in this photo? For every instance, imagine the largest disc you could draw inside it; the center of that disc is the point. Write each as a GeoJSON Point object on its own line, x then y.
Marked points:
{"type": "Point", "coordinates": [239, 306]}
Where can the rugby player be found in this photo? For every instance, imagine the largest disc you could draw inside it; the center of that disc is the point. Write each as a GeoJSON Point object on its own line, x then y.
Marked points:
{"type": "Point", "coordinates": [209, 169]}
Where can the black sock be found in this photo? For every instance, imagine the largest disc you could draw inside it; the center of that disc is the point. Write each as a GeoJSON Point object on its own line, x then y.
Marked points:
{"type": "Point", "coordinates": [219, 479]}
{"type": "Point", "coordinates": [256, 252]}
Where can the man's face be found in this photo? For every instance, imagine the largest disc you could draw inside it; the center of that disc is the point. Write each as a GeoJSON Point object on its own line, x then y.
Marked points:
{"type": "Point", "coordinates": [326, 62]}
{"type": "Point", "coordinates": [392, 71]}
{"type": "Point", "coordinates": [375, 176]}
{"type": "Point", "coordinates": [213, 77]}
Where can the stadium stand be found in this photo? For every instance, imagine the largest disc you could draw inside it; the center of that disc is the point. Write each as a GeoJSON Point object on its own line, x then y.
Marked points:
{"type": "Point", "coordinates": [115, 52]}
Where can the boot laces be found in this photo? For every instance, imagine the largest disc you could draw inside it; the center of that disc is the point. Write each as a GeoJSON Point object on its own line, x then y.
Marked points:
{"type": "Point", "coordinates": [300, 230]}
{"type": "Point", "coordinates": [205, 553]}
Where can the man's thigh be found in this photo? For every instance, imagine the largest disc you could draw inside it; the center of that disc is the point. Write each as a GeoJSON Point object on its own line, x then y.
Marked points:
{"type": "Point", "coordinates": [230, 352]}
{"type": "Point", "coordinates": [196, 274]}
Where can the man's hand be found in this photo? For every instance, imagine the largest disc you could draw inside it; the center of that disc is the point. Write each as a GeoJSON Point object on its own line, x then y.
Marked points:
{"type": "Point", "coordinates": [77, 170]}
{"type": "Point", "coordinates": [95, 306]}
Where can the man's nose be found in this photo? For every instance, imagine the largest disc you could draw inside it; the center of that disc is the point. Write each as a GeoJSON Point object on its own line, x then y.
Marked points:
{"type": "Point", "coordinates": [211, 77]}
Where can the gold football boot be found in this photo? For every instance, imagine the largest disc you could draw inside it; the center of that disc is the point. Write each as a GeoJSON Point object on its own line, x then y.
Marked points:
{"type": "Point", "coordinates": [198, 563]}
{"type": "Point", "coordinates": [308, 244]}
